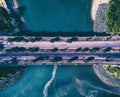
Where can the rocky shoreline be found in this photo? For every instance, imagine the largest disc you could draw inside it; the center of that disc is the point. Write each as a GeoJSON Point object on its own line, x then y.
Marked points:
{"type": "Point", "coordinates": [106, 77]}
{"type": "Point", "coordinates": [98, 15]}
{"type": "Point", "coordinates": [99, 23]}
{"type": "Point", "coordinates": [12, 79]}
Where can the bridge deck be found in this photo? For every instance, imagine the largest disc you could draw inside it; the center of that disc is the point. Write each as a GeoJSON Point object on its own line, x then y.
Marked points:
{"type": "Point", "coordinates": [99, 57]}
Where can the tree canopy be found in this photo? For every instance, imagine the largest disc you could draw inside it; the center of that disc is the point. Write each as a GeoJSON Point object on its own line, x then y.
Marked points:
{"type": "Point", "coordinates": [4, 19]}
{"type": "Point", "coordinates": [113, 17]}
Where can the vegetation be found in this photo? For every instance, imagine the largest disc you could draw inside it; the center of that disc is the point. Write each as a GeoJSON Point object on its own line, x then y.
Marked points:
{"type": "Point", "coordinates": [64, 50]}
{"type": "Point", "coordinates": [4, 20]}
{"type": "Point", "coordinates": [85, 49]}
{"type": "Point", "coordinates": [108, 49]}
{"type": "Point", "coordinates": [16, 49]}
{"type": "Point", "coordinates": [14, 60]}
{"type": "Point", "coordinates": [81, 49]}
{"type": "Point", "coordinates": [78, 49]}
{"type": "Point", "coordinates": [22, 39]}
{"type": "Point", "coordinates": [31, 39]}
{"type": "Point", "coordinates": [1, 46]}
{"type": "Point", "coordinates": [113, 17]}
{"type": "Point", "coordinates": [22, 49]}
{"type": "Point", "coordinates": [9, 71]}
{"type": "Point", "coordinates": [73, 59]}
{"type": "Point", "coordinates": [72, 39]}
{"type": "Point", "coordinates": [113, 70]}
{"type": "Point", "coordinates": [35, 49]}
{"type": "Point", "coordinates": [89, 59]}
{"type": "Point", "coordinates": [95, 49]}
{"type": "Point", "coordinates": [16, 39]}
{"type": "Point", "coordinates": [41, 58]}
{"type": "Point", "coordinates": [54, 50]}
{"type": "Point", "coordinates": [57, 59]}
{"type": "Point", "coordinates": [108, 59]}
{"type": "Point", "coordinates": [55, 39]}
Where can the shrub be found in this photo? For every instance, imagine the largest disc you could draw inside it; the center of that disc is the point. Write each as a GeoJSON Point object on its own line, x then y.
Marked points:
{"type": "Point", "coordinates": [54, 50]}
{"type": "Point", "coordinates": [95, 49]}
{"type": "Point", "coordinates": [89, 59]}
{"type": "Point", "coordinates": [55, 39]}
{"type": "Point", "coordinates": [73, 59]}
{"type": "Point", "coordinates": [78, 49]}
{"type": "Point", "coordinates": [108, 49]}
{"type": "Point", "coordinates": [36, 49]}
{"type": "Point", "coordinates": [57, 59]}
{"type": "Point", "coordinates": [72, 39]}
{"type": "Point", "coordinates": [16, 49]}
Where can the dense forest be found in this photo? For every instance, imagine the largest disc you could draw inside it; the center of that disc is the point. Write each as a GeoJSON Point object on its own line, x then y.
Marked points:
{"type": "Point", "coordinates": [4, 19]}
{"type": "Point", "coordinates": [113, 17]}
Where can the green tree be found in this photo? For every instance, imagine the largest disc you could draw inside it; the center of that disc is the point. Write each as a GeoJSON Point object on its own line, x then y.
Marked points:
{"type": "Point", "coordinates": [4, 19]}
{"type": "Point", "coordinates": [57, 59]}
{"type": "Point", "coordinates": [113, 17]}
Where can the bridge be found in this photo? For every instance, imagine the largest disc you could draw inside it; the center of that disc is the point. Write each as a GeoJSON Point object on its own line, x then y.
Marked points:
{"type": "Point", "coordinates": [60, 50]}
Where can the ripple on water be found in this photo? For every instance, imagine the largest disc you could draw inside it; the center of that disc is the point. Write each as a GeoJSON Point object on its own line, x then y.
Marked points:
{"type": "Point", "coordinates": [67, 81]}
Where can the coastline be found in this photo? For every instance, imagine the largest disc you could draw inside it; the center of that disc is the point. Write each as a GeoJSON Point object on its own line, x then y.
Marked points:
{"type": "Point", "coordinates": [106, 77]}
{"type": "Point", "coordinates": [7, 82]}
{"type": "Point", "coordinates": [94, 9]}
{"type": "Point", "coordinates": [3, 4]}
{"type": "Point", "coordinates": [98, 15]}
{"type": "Point", "coordinates": [16, 3]}
{"type": "Point", "coordinates": [95, 6]}
{"type": "Point", "coordinates": [97, 26]}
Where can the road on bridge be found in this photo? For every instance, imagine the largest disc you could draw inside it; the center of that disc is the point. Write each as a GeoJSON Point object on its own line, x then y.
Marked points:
{"type": "Point", "coordinates": [65, 54]}
{"type": "Point", "coordinates": [63, 45]}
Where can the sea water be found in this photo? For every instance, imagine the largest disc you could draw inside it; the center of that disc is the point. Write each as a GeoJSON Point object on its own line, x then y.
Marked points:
{"type": "Point", "coordinates": [60, 81]}
{"type": "Point", "coordinates": [58, 15]}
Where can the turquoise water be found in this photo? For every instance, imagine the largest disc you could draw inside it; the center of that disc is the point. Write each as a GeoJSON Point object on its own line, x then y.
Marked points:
{"type": "Point", "coordinates": [62, 81]}
{"type": "Point", "coordinates": [58, 15]}
{"type": "Point", "coordinates": [59, 81]}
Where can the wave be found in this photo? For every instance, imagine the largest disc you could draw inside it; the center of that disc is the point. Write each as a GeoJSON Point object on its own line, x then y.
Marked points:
{"type": "Point", "coordinates": [83, 87]}
{"type": "Point", "coordinates": [47, 85]}
{"type": "Point", "coordinates": [64, 90]}
{"type": "Point", "coordinates": [86, 89]}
